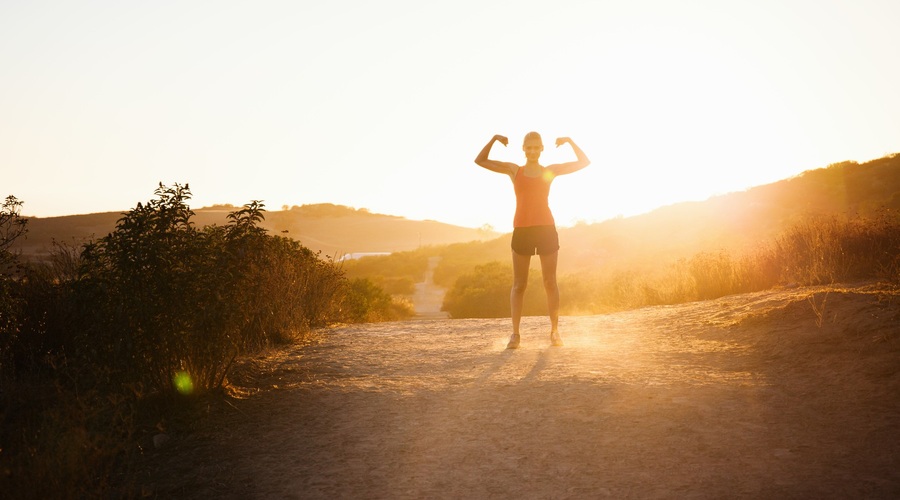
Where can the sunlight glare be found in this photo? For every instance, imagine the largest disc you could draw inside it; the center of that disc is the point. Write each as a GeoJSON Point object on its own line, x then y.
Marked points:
{"type": "Point", "coordinates": [668, 121]}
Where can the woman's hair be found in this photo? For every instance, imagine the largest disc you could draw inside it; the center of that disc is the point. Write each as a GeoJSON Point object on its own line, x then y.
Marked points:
{"type": "Point", "coordinates": [533, 136]}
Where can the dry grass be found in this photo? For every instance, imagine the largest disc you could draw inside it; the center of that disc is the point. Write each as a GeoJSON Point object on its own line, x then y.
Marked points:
{"type": "Point", "coordinates": [815, 251]}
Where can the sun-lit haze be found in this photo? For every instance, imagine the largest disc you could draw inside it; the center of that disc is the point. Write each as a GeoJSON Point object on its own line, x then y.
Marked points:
{"type": "Point", "coordinates": [384, 105]}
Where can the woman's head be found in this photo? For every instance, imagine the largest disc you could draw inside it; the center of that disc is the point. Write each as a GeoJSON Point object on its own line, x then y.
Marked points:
{"type": "Point", "coordinates": [532, 146]}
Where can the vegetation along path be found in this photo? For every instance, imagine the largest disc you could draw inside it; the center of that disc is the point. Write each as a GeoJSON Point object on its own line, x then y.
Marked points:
{"type": "Point", "coordinates": [778, 394]}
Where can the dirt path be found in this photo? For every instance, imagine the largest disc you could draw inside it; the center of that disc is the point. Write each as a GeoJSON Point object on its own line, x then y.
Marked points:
{"type": "Point", "coordinates": [428, 297]}
{"type": "Point", "coordinates": [742, 397]}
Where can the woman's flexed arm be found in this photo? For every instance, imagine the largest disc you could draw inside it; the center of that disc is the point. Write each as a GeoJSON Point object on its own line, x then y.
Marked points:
{"type": "Point", "coordinates": [580, 162]}
{"type": "Point", "coordinates": [500, 167]}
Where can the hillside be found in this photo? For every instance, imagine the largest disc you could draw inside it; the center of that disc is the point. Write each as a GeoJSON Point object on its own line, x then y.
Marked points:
{"type": "Point", "coordinates": [332, 229]}
{"type": "Point", "coordinates": [742, 220]}
{"type": "Point", "coordinates": [734, 222]}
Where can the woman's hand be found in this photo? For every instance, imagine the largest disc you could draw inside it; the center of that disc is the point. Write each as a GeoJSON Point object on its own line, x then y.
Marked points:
{"type": "Point", "coordinates": [501, 139]}
{"type": "Point", "coordinates": [562, 140]}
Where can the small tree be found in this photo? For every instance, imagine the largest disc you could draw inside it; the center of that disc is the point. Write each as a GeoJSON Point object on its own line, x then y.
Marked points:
{"type": "Point", "coordinates": [12, 227]}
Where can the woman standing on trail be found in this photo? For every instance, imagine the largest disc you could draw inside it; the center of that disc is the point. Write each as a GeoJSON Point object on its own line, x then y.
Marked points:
{"type": "Point", "coordinates": [534, 230]}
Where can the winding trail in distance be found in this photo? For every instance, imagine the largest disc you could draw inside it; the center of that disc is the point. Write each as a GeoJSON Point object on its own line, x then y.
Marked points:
{"type": "Point", "coordinates": [428, 297]}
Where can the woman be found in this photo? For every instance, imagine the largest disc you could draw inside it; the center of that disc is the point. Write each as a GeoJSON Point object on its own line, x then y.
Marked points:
{"type": "Point", "coordinates": [534, 230]}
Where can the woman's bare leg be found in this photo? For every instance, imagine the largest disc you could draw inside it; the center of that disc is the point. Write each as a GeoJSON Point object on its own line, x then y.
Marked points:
{"type": "Point", "coordinates": [548, 273]}
{"type": "Point", "coordinates": [521, 263]}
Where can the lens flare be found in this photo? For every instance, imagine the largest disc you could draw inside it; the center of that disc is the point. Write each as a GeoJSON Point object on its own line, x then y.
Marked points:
{"type": "Point", "coordinates": [183, 383]}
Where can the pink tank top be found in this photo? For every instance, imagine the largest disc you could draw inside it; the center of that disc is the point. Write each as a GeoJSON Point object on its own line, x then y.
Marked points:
{"type": "Point", "coordinates": [532, 199]}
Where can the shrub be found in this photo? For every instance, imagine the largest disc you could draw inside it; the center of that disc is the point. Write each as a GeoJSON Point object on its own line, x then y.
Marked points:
{"type": "Point", "coordinates": [364, 301]}
{"type": "Point", "coordinates": [484, 293]}
{"type": "Point", "coordinates": [157, 296]}
{"type": "Point", "coordinates": [395, 286]}
{"type": "Point", "coordinates": [171, 298]}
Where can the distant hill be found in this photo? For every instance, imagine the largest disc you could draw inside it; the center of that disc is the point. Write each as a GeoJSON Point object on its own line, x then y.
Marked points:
{"type": "Point", "coordinates": [332, 229]}
{"type": "Point", "coordinates": [734, 222]}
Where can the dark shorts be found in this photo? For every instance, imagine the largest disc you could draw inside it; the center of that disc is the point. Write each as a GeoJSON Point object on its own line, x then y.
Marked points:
{"type": "Point", "coordinates": [541, 240]}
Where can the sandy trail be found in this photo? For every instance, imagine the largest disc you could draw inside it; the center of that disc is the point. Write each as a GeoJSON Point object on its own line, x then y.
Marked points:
{"type": "Point", "coordinates": [741, 397]}
{"type": "Point", "coordinates": [428, 297]}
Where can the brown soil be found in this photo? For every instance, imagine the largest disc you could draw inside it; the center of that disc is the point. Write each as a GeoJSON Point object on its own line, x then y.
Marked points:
{"type": "Point", "coordinates": [779, 394]}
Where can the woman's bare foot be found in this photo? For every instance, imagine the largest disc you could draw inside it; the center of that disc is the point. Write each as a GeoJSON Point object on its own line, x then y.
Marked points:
{"type": "Point", "coordinates": [555, 340]}
{"type": "Point", "coordinates": [513, 341]}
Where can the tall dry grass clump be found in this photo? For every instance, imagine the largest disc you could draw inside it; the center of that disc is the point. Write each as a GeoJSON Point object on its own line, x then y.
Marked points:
{"type": "Point", "coordinates": [816, 250]}
{"type": "Point", "coordinates": [826, 250]}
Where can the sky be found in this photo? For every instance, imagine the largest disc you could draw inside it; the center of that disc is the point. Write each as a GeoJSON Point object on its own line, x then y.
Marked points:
{"type": "Point", "coordinates": [384, 105]}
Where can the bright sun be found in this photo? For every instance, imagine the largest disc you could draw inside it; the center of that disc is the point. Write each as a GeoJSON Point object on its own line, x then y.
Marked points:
{"type": "Point", "coordinates": [668, 122]}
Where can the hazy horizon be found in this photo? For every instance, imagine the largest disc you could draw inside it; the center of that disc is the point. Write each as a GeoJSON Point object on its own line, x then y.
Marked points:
{"type": "Point", "coordinates": [384, 106]}
{"type": "Point", "coordinates": [502, 229]}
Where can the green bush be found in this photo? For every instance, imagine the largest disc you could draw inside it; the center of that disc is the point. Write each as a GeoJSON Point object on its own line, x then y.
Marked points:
{"type": "Point", "coordinates": [484, 293]}
{"type": "Point", "coordinates": [158, 296]}
{"type": "Point", "coordinates": [170, 298]}
{"type": "Point", "coordinates": [396, 286]}
{"type": "Point", "coordinates": [364, 301]}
